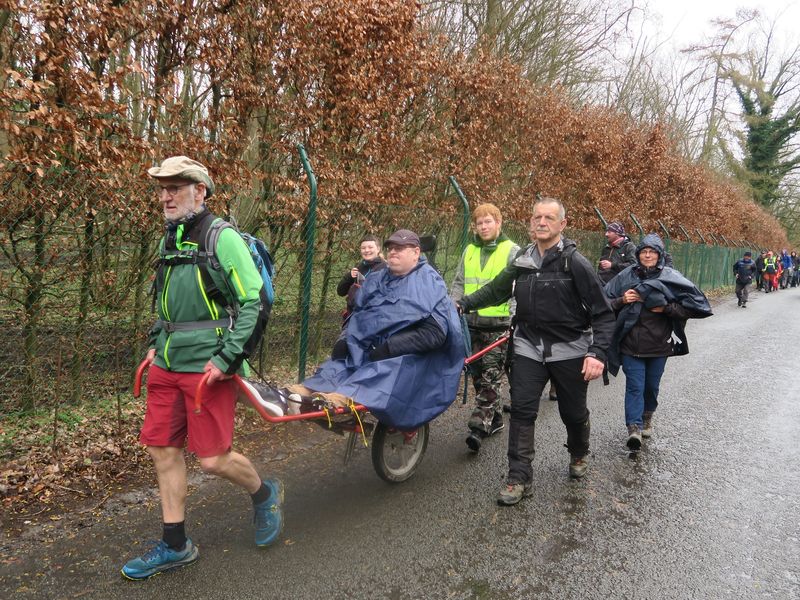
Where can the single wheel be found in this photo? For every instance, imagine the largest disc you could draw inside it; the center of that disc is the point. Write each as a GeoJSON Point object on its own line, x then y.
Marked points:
{"type": "Point", "coordinates": [396, 454]}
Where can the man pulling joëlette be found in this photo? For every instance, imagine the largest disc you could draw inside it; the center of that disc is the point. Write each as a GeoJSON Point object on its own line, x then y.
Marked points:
{"type": "Point", "coordinates": [194, 335]}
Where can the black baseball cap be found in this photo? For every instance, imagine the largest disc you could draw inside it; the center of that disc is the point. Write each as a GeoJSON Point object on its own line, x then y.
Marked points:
{"type": "Point", "coordinates": [403, 237]}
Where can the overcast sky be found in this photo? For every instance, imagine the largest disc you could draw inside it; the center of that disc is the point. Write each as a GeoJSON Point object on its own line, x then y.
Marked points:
{"type": "Point", "coordinates": [688, 21]}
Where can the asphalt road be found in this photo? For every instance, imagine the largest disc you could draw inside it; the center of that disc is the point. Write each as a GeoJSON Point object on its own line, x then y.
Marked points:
{"type": "Point", "coordinates": [709, 508]}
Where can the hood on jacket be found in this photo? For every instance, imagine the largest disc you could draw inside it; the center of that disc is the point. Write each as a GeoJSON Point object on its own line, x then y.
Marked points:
{"type": "Point", "coordinates": [654, 241]}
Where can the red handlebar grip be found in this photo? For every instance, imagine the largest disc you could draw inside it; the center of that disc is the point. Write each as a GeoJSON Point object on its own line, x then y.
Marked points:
{"type": "Point", "coordinates": [198, 393]}
{"type": "Point", "coordinates": [137, 381]}
{"type": "Point", "coordinates": [498, 342]}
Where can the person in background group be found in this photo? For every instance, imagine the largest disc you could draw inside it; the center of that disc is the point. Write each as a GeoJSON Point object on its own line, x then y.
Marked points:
{"type": "Point", "coordinates": [787, 269]}
{"type": "Point", "coordinates": [770, 272]}
{"type": "Point", "coordinates": [760, 270]}
{"type": "Point", "coordinates": [744, 270]}
{"type": "Point", "coordinates": [618, 253]}
{"type": "Point", "coordinates": [563, 325]}
{"type": "Point", "coordinates": [190, 339]}
{"type": "Point", "coordinates": [652, 302]}
{"type": "Point", "coordinates": [483, 259]}
{"type": "Point", "coordinates": [371, 260]}
{"type": "Point", "coordinates": [795, 268]}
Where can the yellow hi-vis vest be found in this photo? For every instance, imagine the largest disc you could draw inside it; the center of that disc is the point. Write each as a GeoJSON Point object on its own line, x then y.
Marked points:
{"type": "Point", "coordinates": [475, 277]}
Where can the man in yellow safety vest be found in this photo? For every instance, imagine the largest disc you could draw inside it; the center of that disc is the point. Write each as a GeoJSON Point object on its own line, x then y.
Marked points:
{"type": "Point", "coordinates": [483, 259]}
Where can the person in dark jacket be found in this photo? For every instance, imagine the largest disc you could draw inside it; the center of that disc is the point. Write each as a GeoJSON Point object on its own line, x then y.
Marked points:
{"type": "Point", "coordinates": [744, 270]}
{"type": "Point", "coordinates": [618, 253]}
{"type": "Point", "coordinates": [371, 260]}
{"type": "Point", "coordinates": [563, 326]}
{"type": "Point", "coordinates": [652, 302]}
{"type": "Point", "coordinates": [760, 270]}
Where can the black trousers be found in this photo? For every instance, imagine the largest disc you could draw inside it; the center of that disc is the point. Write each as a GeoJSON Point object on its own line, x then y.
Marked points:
{"type": "Point", "coordinates": [528, 378]}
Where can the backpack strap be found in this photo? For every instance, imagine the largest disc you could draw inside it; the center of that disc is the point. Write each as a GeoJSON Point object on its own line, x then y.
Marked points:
{"type": "Point", "coordinates": [566, 257]}
{"type": "Point", "coordinates": [207, 246]}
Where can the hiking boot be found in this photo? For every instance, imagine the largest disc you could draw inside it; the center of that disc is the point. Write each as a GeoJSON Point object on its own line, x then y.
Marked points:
{"type": "Point", "coordinates": [476, 421]}
{"type": "Point", "coordinates": [474, 440]}
{"type": "Point", "coordinates": [160, 558]}
{"type": "Point", "coordinates": [647, 427]}
{"type": "Point", "coordinates": [483, 418]}
{"type": "Point", "coordinates": [634, 437]}
{"type": "Point", "coordinates": [511, 493]}
{"type": "Point", "coordinates": [578, 466]}
{"type": "Point", "coordinates": [497, 423]}
{"type": "Point", "coordinates": [268, 516]}
{"type": "Point", "coordinates": [476, 435]}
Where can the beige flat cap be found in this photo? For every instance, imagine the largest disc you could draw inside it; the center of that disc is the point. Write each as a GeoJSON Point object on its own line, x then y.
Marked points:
{"type": "Point", "coordinates": [184, 168]}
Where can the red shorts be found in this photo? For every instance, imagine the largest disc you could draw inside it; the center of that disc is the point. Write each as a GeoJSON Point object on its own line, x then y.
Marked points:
{"type": "Point", "coordinates": [170, 416]}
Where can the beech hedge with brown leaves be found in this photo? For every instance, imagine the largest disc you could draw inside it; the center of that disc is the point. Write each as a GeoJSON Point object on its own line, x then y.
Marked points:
{"type": "Point", "coordinates": [386, 114]}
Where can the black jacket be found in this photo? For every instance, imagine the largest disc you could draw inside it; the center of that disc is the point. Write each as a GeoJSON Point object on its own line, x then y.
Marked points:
{"type": "Point", "coordinates": [651, 334]}
{"type": "Point", "coordinates": [621, 256]}
{"type": "Point", "coordinates": [557, 302]}
{"type": "Point", "coordinates": [346, 285]}
{"type": "Point", "coordinates": [744, 270]}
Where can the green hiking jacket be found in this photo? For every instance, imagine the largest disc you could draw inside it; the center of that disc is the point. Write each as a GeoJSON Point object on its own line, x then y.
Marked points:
{"type": "Point", "coordinates": [181, 297]}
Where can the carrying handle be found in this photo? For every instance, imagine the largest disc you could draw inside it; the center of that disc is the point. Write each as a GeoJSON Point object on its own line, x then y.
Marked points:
{"type": "Point", "coordinates": [137, 380]}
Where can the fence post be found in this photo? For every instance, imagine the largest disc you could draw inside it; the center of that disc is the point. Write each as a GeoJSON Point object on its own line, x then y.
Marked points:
{"type": "Point", "coordinates": [666, 234]}
{"type": "Point", "coordinates": [701, 276]}
{"type": "Point", "coordinates": [465, 224]}
{"type": "Point", "coordinates": [689, 250]}
{"type": "Point", "coordinates": [601, 217]}
{"type": "Point", "coordinates": [638, 225]}
{"type": "Point", "coordinates": [310, 230]}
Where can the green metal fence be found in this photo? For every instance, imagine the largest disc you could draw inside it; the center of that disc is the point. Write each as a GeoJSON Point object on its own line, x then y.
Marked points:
{"type": "Point", "coordinates": [75, 275]}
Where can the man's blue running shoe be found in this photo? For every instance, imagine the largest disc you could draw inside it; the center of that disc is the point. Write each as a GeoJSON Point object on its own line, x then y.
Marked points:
{"type": "Point", "coordinates": [160, 558]}
{"type": "Point", "coordinates": [268, 516]}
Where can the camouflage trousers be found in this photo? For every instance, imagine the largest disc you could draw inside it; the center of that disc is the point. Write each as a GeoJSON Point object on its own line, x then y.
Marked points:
{"type": "Point", "coordinates": [487, 375]}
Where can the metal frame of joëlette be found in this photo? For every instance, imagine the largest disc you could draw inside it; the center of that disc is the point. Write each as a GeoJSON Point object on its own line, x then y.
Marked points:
{"type": "Point", "coordinates": [318, 414]}
{"type": "Point", "coordinates": [198, 400]}
{"type": "Point", "coordinates": [498, 342]}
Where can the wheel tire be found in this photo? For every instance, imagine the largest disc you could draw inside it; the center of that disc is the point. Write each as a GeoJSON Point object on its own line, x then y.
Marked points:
{"type": "Point", "coordinates": [395, 456]}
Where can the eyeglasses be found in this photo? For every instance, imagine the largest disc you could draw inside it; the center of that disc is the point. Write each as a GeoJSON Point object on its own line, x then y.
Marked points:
{"type": "Point", "coordinates": [397, 248]}
{"type": "Point", "coordinates": [171, 189]}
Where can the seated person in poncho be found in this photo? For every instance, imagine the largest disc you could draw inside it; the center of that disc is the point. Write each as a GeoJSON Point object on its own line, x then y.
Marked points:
{"type": "Point", "coordinates": [402, 350]}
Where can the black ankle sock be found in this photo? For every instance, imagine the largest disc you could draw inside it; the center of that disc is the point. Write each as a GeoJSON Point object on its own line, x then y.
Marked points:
{"type": "Point", "coordinates": [262, 495]}
{"type": "Point", "coordinates": [175, 535]}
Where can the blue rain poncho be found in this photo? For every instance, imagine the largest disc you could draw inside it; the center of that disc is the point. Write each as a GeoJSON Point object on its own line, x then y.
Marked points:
{"type": "Point", "coordinates": [409, 390]}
